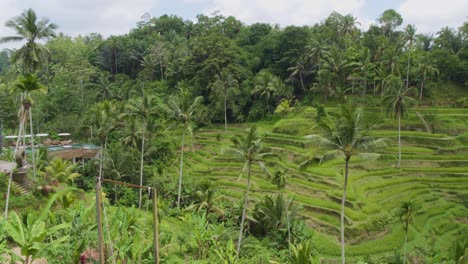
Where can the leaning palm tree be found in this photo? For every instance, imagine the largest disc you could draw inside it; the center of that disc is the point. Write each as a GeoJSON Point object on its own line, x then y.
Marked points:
{"type": "Point", "coordinates": [406, 214]}
{"type": "Point", "coordinates": [27, 85]}
{"type": "Point", "coordinates": [145, 108]}
{"type": "Point", "coordinates": [27, 27]}
{"type": "Point", "coordinates": [250, 150]}
{"type": "Point", "coordinates": [183, 110]}
{"type": "Point", "coordinates": [397, 101]}
{"type": "Point", "coordinates": [344, 135]}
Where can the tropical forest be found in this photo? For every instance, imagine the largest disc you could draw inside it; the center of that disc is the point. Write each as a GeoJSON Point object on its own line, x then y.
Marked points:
{"type": "Point", "coordinates": [218, 141]}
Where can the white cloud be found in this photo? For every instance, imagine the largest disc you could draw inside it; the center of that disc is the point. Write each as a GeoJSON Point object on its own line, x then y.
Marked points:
{"type": "Point", "coordinates": [430, 16]}
{"type": "Point", "coordinates": [292, 12]}
{"type": "Point", "coordinates": [108, 17]}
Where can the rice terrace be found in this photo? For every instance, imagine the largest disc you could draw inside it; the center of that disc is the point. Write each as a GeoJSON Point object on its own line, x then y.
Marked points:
{"type": "Point", "coordinates": [250, 133]}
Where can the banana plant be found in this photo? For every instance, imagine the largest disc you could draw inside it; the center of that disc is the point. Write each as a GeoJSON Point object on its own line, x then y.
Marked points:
{"type": "Point", "coordinates": [31, 235]}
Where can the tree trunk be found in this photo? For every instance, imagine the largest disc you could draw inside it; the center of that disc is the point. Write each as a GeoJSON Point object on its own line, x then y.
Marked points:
{"type": "Point", "coordinates": [141, 167]}
{"type": "Point", "coordinates": [407, 71]}
{"type": "Point", "coordinates": [404, 246]}
{"type": "Point", "coordinates": [421, 89]}
{"type": "Point", "coordinates": [32, 143]}
{"type": "Point", "coordinates": [399, 141]}
{"type": "Point", "coordinates": [302, 82]}
{"type": "Point", "coordinates": [343, 200]}
{"type": "Point", "coordinates": [225, 110]}
{"type": "Point", "coordinates": [180, 168]}
{"type": "Point", "coordinates": [10, 179]}
{"type": "Point", "coordinates": [244, 211]}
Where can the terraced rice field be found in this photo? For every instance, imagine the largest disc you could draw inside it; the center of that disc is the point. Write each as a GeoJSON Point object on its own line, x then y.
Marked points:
{"type": "Point", "coordinates": [434, 173]}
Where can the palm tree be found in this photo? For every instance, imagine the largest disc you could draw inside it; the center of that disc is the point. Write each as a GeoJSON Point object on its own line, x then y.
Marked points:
{"type": "Point", "coordinates": [409, 35]}
{"type": "Point", "coordinates": [276, 214]}
{"type": "Point", "coordinates": [284, 108]}
{"type": "Point", "coordinates": [265, 86]}
{"type": "Point", "coordinates": [397, 101]}
{"type": "Point", "coordinates": [32, 54]}
{"type": "Point", "coordinates": [316, 50]}
{"type": "Point", "coordinates": [102, 120]}
{"type": "Point", "coordinates": [104, 86]}
{"type": "Point", "coordinates": [249, 149]}
{"type": "Point", "coordinates": [426, 67]}
{"type": "Point", "coordinates": [299, 69]}
{"type": "Point", "coordinates": [183, 110]}
{"type": "Point", "coordinates": [143, 107]}
{"type": "Point", "coordinates": [29, 84]}
{"type": "Point", "coordinates": [344, 134]}
{"type": "Point", "coordinates": [225, 80]}
{"type": "Point", "coordinates": [406, 214]}
{"type": "Point", "coordinates": [206, 200]}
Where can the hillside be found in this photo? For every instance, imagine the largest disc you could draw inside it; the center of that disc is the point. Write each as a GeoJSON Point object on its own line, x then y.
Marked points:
{"type": "Point", "coordinates": [433, 173]}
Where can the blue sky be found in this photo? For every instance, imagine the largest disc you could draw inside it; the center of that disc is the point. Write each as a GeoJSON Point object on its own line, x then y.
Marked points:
{"type": "Point", "coordinates": [110, 17]}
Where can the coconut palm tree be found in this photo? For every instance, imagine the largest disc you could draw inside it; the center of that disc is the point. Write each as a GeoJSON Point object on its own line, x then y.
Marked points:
{"type": "Point", "coordinates": [27, 85]}
{"type": "Point", "coordinates": [249, 149]}
{"type": "Point", "coordinates": [406, 214]}
{"type": "Point", "coordinates": [266, 85]}
{"type": "Point", "coordinates": [183, 110]}
{"type": "Point", "coordinates": [409, 35]}
{"type": "Point", "coordinates": [316, 50]}
{"type": "Point", "coordinates": [344, 134]}
{"type": "Point", "coordinates": [225, 80]}
{"type": "Point", "coordinates": [146, 108]}
{"type": "Point", "coordinates": [27, 27]}
{"type": "Point", "coordinates": [426, 67]}
{"type": "Point", "coordinates": [398, 100]}
{"type": "Point", "coordinates": [102, 120]}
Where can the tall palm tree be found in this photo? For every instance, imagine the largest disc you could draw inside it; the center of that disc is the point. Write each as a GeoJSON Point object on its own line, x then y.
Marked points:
{"type": "Point", "coordinates": [26, 85]}
{"type": "Point", "coordinates": [298, 70]}
{"type": "Point", "coordinates": [344, 134]}
{"type": "Point", "coordinates": [225, 80]}
{"type": "Point", "coordinates": [406, 214]}
{"type": "Point", "coordinates": [183, 110]}
{"type": "Point", "coordinates": [249, 149]}
{"type": "Point", "coordinates": [145, 108]}
{"type": "Point", "coordinates": [102, 120]}
{"type": "Point", "coordinates": [398, 100]}
{"type": "Point", "coordinates": [27, 27]}
{"type": "Point", "coordinates": [104, 86]}
{"type": "Point", "coordinates": [409, 35]}
{"type": "Point", "coordinates": [426, 67]}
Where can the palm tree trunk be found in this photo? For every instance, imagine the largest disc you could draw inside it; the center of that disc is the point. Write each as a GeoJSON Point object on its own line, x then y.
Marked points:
{"type": "Point", "coordinates": [10, 179]}
{"type": "Point", "coordinates": [141, 167]}
{"type": "Point", "coordinates": [181, 167]}
{"type": "Point", "coordinates": [225, 110]}
{"type": "Point", "coordinates": [244, 211]}
{"type": "Point", "coordinates": [32, 143]}
{"type": "Point", "coordinates": [399, 141]}
{"type": "Point", "coordinates": [302, 82]}
{"type": "Point", "coordinates": [404, 246]}
{"type": "Point", "coordinates": [343, 200]}
{"type": "Point", "coordinates": [421, 89]}
{"type": "Point", "coordinates": [407, 71]}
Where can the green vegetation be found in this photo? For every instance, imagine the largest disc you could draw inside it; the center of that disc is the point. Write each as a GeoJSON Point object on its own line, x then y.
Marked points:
{"type": "Point", "coordinates": [190, 108]}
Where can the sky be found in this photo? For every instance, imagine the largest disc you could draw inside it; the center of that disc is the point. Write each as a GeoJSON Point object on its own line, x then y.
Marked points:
{"type": "Point", "coordinates": [114, 17]}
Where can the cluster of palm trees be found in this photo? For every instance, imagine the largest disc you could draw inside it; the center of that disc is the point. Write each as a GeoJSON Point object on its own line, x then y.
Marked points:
{"type": "Point", "coordinates": [31, 57]}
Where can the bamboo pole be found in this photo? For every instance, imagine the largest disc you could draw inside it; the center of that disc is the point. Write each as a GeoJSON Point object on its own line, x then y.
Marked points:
{"type": "Point", "coordinates": [156, 225]}
{"type": "Point", "coordinates": [99, 221]}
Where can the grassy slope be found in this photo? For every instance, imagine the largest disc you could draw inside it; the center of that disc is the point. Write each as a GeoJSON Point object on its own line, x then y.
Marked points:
{"type": "Point", "coordinates": [434, 171]}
